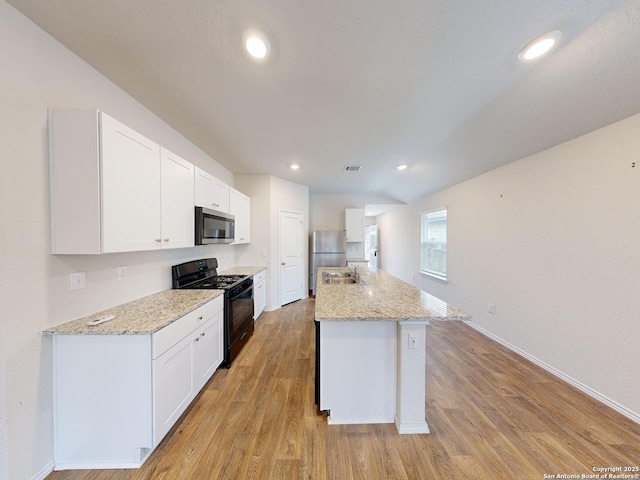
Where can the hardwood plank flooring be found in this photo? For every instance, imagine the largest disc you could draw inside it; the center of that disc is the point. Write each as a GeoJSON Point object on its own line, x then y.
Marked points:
{"type": "Point", "coordinates": [492, 414]}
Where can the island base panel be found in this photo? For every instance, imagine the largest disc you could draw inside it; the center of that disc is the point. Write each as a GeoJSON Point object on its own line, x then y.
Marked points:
{"type": "Point", "coordinates": [358, 371]}
{"type": "Point", "coordinates": [411, 394]}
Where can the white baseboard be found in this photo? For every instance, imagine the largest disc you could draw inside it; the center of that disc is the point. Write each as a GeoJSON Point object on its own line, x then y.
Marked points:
{"type": "Point", "coordinates": [411, 428]}
{"type": "Point", "coordinates": [563, 376]}
{"type": "Point", "coordinates": [44, 472]}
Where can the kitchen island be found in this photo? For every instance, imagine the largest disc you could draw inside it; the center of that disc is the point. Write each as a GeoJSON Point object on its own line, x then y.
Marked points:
{"type": "Point", "coordinates": [371, 349]}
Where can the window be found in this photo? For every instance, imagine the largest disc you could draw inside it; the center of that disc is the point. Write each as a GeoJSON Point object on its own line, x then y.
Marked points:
{"type": "Point", "coordinates": [369, 240]}
{"type": "Point", "coordinates": [433, 243]}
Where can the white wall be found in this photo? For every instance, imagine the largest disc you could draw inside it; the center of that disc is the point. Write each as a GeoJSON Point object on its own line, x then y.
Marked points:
{"type": "Point", "coordinates": [269, 195]}
{"type": "Point", "coordinates": [259, 251]}
{"type": "Point", "coordinates": [552, 240]}
{"type": "Point", "coordinates": [290, 197]}
{"type": "Point", "coordinates": [327, 210]}
{"type": "Point", "coordinates": [37, 73]}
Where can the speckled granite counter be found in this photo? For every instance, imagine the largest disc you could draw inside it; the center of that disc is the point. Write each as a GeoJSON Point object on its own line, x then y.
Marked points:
{"type": "Point", "coordinates": [242, 271]}
{"type": "Point", "coordinates": [140, 317]}
{"type": "Point", "coordinates": [382, 297]}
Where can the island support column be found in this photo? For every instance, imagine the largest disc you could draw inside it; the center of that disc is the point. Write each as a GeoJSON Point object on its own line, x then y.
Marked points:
{"type": "Point", "coordinates": [410, 378]}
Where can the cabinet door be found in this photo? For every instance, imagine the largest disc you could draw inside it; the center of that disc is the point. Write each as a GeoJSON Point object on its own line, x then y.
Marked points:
{"type": "Point", "coordinates": [173, 386]}
{"type": "Point", "coordinates": [177, 201]}
{"type": "Point", "coordinates": [208, 349]}
{"type": "Point", "coordinates": [259, 297]}
{"type": "Point", "coordinates": [203, 188]}
{"type": "Point", "coordinates": [240, 207]}
{"type": "Point", "coordinates": [220, 196]}
{"type": "Point", "coordinates": [211, 192]}
{"type": "Point", "coordinates": [354, 220]}
{"type": "Point", "coordinates": [130, 172]}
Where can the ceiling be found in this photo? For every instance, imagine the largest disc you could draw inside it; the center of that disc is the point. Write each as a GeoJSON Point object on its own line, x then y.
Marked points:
{"type": "Point", "coordinates": [435, 84]}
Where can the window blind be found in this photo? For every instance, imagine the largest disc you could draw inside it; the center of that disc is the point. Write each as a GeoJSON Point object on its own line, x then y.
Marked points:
{"type": "Point", "coordinates": [433, 255]}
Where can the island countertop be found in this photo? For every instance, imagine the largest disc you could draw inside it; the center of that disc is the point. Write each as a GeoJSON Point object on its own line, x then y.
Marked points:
{"type": "Point", "coordinates": [381, 297]}
{"type": "Point", "coordinates": [143, 316]}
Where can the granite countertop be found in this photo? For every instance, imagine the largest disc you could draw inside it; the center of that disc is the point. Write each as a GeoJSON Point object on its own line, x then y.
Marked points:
{"type": "Point", "coordinates": [242, 271]}
{"type": "Point", "coordinates": [140, 317]}
{"type": "Point", "coordinates": [382, 297]}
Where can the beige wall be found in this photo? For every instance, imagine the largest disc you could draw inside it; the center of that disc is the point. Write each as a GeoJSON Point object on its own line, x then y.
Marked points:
{"type": "Point", "coordinates": [553, 241]}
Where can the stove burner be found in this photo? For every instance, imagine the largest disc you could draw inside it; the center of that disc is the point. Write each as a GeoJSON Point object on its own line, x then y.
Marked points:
{"type": "Point", "coordinates": [219, 281]}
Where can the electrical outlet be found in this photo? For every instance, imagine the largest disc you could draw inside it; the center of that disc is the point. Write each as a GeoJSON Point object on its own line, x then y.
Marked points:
{"type": "Point", "coordinates": [123, 272]}
{"type": "Point", "coordinates": [491, 308]}
{"type": "Point", "coordinates": [413, 341]}
{"type": "Point", "coordinates": [77, 281]}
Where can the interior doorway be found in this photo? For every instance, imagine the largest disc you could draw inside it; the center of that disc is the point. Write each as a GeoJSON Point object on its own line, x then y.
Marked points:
{"type": "Point", "coordinates": [291, 266]}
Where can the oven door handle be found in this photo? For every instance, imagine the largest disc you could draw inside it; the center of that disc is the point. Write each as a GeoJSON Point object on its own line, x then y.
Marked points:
{"type": "Point", "coordinates": [243, 292]}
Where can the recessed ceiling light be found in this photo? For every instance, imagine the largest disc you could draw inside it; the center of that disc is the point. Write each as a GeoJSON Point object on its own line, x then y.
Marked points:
{"type": "Point", "coordinates": [295, 166]}
{"type": "Point", "coordinates": [539, 46]}
{"type": "Point", "coordinates": [256, 44]}
{"type": "Point", "coordinates": [402, 166]}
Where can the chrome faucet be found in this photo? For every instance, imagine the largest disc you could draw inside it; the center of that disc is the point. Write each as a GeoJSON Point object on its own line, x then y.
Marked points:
{"type": "Point", "coordinates": [355, 272]}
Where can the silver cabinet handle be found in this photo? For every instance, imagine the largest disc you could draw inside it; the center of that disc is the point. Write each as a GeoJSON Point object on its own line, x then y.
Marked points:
{"type": "Point", "coordinates": [283, 263]}
{"type": "Point", "coordinates": [166, 240]}
{"type": "Point", "coordinates": [200, 317]}
{"type": "Point", "coordinates": [158, 240]}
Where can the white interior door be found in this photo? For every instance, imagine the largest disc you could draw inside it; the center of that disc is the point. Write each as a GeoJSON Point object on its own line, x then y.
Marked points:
{"type": "Point", "coordinates": [290, 257]}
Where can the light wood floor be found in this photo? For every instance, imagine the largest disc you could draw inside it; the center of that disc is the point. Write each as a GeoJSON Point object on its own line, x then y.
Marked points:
{"type": "Point", "coordinates": [492, 415]}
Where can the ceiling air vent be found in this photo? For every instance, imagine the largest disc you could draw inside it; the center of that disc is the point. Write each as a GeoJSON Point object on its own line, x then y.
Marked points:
{"type": "Point", "coordinates": [352, 168]}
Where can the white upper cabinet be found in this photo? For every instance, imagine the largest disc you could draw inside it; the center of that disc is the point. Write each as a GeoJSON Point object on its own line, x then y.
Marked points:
{"type": "Point", "coordinates": [130, 176]}
{"type": "Point", "coordinates": [240, 207]}
{"type": "Point", "coordinates": [211, 192]}
{"type": "Point", "coordinates": [354, 220]}
{"type": "Point", "coordinates": [204, 189]}
{"type": "Point", "coordinates": [220, 196]}
{"type": "Point", "coordinates": [109, 185]}
{"type": "Point", "coordinates": [177, 193]}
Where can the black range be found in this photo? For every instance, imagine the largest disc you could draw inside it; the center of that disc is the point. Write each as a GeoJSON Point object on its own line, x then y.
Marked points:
{"type": "Point", "coordinates": [238, 300]}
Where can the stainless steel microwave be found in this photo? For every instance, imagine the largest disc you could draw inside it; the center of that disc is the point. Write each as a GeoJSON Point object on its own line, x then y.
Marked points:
{"type": "Point", "coordinates": [214, 227]}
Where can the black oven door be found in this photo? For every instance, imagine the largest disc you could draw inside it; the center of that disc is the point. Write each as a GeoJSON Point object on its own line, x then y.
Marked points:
{"type": "Point", "coordinates": [240, 312]}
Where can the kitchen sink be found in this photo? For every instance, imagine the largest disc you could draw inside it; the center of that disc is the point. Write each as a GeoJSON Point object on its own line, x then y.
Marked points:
{"type": "Point", "coordinates": [340, 281]}
{"type": "Point", "coordinates": [340, 278]}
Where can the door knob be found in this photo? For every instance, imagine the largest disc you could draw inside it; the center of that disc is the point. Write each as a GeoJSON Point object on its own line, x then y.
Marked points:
{"type": "Point", "coordinates": [283, 263]}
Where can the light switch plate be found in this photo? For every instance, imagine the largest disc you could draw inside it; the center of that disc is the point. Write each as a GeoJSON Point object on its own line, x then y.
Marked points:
{"type": "Point", "coordinates": [77, 280]}
{"type": "Point", "coordinates": [123, 272]}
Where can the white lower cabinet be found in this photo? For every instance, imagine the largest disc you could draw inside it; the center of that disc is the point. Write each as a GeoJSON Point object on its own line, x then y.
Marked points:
{"type": "Point", "coordinates": [117, 396]}
{"type": "Point", "coordinates": [181, 372]}
{"type": "Point", "coordinates": [259, 293]}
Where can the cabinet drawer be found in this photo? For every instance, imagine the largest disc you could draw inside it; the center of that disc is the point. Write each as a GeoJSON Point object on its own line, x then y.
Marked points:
{"type": "Point", "coordinates": [170, 335]}
{"type": "Point", "coordinates": [259, 277]}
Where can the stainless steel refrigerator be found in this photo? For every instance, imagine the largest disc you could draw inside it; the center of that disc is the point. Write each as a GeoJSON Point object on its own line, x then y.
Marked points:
{"type": "Point", "coordinates": [328, 249]}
